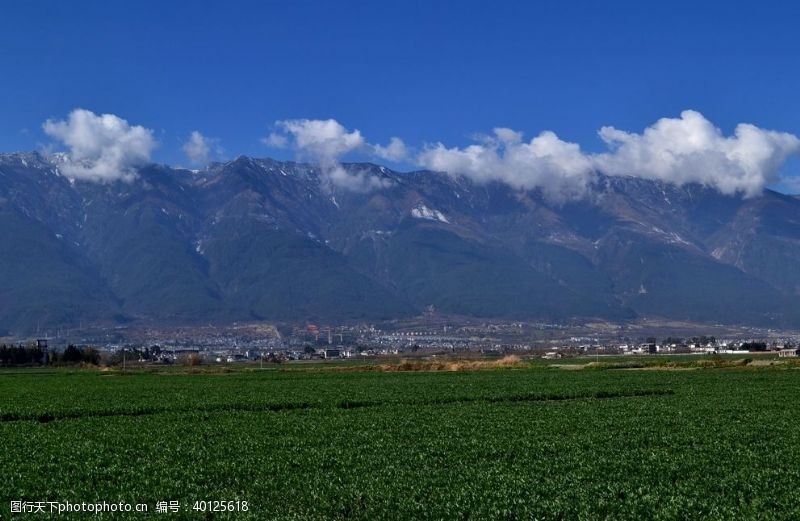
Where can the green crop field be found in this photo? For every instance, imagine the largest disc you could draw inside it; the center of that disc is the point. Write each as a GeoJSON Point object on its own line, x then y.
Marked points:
{"type": "Point", "coordinates": [530, 443]}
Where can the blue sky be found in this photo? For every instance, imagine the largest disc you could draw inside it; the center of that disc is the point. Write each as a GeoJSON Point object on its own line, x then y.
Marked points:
{"type": "Point", "coordinates": [424, 71]}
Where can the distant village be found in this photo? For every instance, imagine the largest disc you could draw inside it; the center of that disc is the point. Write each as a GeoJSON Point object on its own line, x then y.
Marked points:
{"type": "Point", "coordinates": [309, 342]}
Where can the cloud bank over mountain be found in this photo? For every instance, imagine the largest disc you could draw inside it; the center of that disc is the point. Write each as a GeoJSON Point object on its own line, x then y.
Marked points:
{"type": "Point", "coordinates": [559, 168]}
{"type": "Point", "coordinates": [686, 149]}
{"type": "Point", "coordinates": [680, 150]}
{"type": "Point", "coordinates": [690, 149]}
{"type": "Point", "coordinates": [101, 148]}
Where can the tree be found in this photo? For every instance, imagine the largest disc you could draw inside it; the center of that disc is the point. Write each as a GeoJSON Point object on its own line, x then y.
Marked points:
{"type": "Point", "coordinates": [72, 355]}
{"type": "Point", "coordinates": [91, 356]}
{"type": "Point", "coordinates": [754, 346]}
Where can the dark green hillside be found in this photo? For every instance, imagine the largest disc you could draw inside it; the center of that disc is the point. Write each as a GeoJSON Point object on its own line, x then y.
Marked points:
{"type": "Point", "coordinates": [44, 280]}
{"type": "Point", "coordinates": [274, 274]}
{"type": "Point", "coordinates": [149, 262]}
{"type": "Point", "coordinates": [434, 266]}
{"type": "Point", "coordinates": [576, 272]}
{"type": "Point", "coordinates": [659, 281]}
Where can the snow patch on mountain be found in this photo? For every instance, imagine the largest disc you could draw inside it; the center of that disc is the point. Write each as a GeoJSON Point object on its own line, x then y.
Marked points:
{"type": "Point", "coordinates": [423, 212]}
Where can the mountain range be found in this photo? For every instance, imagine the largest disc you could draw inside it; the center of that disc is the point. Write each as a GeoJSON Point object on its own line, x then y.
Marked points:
{"type": "Point", "coordinates": [259, 239]}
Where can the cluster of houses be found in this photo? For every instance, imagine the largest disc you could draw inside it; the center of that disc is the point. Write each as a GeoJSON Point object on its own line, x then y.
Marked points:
{"type": "Point", "coordinates": [311, 343]}
{"type": "Point", "coordinates": [783, 349]}
{"type": "Point", "coordinates": [318, 353]}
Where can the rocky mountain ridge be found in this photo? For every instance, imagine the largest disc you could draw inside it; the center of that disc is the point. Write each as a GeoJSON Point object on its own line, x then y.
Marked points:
{"type": "Point", "coordinates": [259, 239]}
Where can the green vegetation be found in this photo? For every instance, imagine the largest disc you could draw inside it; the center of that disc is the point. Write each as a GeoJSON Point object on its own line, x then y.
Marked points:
{"type": "Point", "coordinates": [509, 443]}
{"type": "Point", "coordinates": [279, 274]}
{"type": "Point", "coordinates": [432, 265]}
{"type": "Point", "coordinates": [31, 355]}
{"type": "Point", "coordinates": [48, 284]}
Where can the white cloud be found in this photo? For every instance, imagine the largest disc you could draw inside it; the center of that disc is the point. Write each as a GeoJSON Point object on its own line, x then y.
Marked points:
{"type": "Point", "coordinates": [325, 142]}
{"type": "Point", "coordinates": [686, 149]}
{"type": "Point", "coordinates": [321, 139]}
{"type": "Point", "coordinates": [559, 168]}
{"type": "Point", "coordinates": [199, 147]}
{"type": "Point", "coordinates": [690, 149]}
{"type": "Point", "coordinates": [354, 180]}
{"type": "Point", "coordinates": [276, 140]}
{"type": "Point", "coordinates": [101, 148]}
{"type": "Point", "coordinates": [395, 151]}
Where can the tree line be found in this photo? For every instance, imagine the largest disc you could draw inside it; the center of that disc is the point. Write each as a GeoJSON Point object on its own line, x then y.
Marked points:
{"type": "Point", "coordinates": [30, 355]}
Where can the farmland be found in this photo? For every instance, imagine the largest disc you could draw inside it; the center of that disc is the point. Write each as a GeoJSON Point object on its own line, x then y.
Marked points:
{"type": "Point", "coordinates": [511, 443]}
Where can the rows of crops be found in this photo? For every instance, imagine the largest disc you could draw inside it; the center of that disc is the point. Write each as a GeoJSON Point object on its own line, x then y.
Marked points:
{"type": "Point", "coordinates": [516, 444]}
{"type": "Point", "coordinates": [68, 395]}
